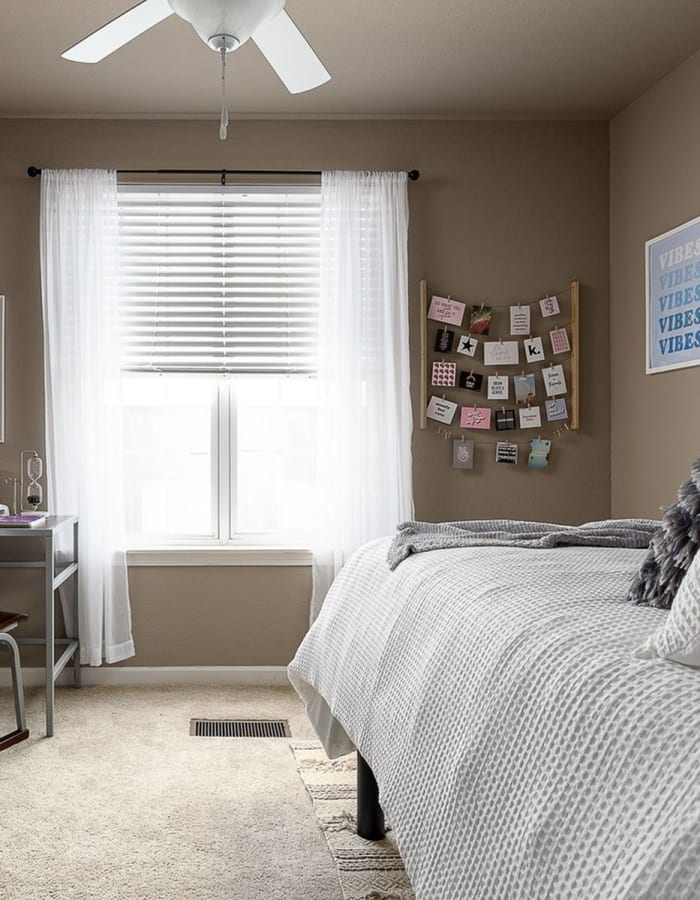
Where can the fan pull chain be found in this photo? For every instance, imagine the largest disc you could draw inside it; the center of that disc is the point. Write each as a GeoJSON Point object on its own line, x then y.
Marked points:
{"type": "Point", "coordinates": [223, 127]}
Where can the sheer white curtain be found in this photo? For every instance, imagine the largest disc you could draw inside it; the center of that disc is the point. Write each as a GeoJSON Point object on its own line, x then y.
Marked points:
{"type": "Point", "coordinates": [79, 241]}
{"type": "Point", "coordinates": [365, 412]}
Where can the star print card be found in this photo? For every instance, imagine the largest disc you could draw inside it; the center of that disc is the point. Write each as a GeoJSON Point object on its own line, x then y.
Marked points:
{"type": "Point", "coordinates": [475, 417]}
{"type": "Point", "coordinates": [444, 309]}
{"type": "Point", "coordinates": [444, 374]}
{"type": "Point", "coordinates": [467, 345]}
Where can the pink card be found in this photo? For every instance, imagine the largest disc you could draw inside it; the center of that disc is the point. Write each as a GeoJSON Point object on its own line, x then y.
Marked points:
{"type": "Point", "coordinates": [475, 417]}
{"type": "Point", "coordinates": [442, 309]}
{"type": "Point", "coordinates": [560, 340]}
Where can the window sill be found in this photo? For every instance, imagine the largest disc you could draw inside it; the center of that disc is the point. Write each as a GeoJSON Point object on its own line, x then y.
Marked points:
{"type": "Point", "coordinates": [219, 556]}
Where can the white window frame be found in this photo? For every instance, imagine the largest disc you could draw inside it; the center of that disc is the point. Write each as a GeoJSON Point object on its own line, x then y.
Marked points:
{"type": "Point", "coordinates": [226, 547]}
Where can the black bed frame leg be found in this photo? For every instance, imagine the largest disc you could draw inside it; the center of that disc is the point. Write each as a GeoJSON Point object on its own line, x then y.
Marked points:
{"type": "Point", "coordinates": [370, 818]}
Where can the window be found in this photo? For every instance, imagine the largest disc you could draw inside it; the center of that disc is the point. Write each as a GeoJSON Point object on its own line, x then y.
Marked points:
{"type": "Point", "coordinates": [220, 300]}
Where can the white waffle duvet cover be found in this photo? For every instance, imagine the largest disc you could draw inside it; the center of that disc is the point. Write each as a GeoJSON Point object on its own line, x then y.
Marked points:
{"type": "Point", "coordinates": [522, 752]}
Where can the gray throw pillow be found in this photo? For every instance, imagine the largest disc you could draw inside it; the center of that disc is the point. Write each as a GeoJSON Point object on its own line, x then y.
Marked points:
{"type": "Point", "coordinates": [672, 548]}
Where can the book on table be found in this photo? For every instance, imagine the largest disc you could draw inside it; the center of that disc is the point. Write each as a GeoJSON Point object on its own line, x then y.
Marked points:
{"type": "Point", "coordinates": [26, 520]}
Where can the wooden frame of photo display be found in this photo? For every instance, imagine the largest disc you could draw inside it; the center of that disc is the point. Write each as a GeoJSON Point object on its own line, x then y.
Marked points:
{"type": "Point", "coordinates": [574, 393]}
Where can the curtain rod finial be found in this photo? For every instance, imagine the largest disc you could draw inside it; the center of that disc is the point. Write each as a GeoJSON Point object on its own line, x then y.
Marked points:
{"type": "Point", "coordinates": [414, 174]}
{"type": "Point", "coordinates": [32, 171]}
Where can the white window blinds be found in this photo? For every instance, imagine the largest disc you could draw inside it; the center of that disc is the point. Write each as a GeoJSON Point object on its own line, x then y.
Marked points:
{"type": "Point", "coordinates": [219, 279]}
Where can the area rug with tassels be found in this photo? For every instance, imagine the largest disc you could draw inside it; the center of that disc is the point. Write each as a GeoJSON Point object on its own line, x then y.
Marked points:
{"type": "Point", "coordinates": [367, 870]}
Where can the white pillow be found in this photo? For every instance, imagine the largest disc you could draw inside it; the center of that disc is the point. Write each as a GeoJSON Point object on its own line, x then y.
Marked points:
{"type": "Point", "coordinates": [678, 639]}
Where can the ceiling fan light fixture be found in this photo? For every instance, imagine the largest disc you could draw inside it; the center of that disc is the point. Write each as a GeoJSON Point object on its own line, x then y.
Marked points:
{"type": "Point", "coordinates": [237, 18]}
{"type": "Point", "coordinates": [225, 42]}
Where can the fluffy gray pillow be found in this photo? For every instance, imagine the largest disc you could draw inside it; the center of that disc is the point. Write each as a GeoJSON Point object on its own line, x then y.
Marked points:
{"type": "Point", "coordinates": [672, 548]}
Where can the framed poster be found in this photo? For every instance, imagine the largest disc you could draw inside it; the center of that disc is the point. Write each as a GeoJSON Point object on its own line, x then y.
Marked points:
{"type": "Point", "coordinates": [673, 299]}
{"type": "Point", "coordinates": [2, 369]}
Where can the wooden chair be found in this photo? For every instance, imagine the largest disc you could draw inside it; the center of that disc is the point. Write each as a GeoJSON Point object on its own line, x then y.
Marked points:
{"type": "Point", "coordinates": [8, 621]}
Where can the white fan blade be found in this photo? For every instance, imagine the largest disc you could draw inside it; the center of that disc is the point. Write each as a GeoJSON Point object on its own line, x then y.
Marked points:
{"type": "Point", "coordinates": [119, 31]}
{"type": "Point", "coordinates": [289, 54]}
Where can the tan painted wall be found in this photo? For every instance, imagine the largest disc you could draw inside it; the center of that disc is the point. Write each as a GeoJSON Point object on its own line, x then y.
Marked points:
{"type": "Point", "coordinates": [503, 211]}
{"type": "Point", "coordinates": [654, 186]}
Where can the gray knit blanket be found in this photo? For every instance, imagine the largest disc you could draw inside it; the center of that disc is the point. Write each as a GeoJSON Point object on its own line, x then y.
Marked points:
{"type": "Point", "coordinates": [419, 537]}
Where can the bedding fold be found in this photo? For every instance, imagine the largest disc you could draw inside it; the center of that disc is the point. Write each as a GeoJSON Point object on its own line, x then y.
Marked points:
{"type": "Point", "coordinates": [421, 537]}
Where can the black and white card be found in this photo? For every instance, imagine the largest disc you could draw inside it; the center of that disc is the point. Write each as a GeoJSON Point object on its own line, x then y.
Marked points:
{"type": "Point", "coordinates": [534, 351]}
{"type": "Point", "coordinates": [444, 340]}
{"type": "Point", "coordinates": [471, 381]}
{"type": "Point", "coordinates": [506, 452]}
{"type": "Point", "coordinates": [505, 419]}
{"type": "Point", "coordinates": [467, 345]}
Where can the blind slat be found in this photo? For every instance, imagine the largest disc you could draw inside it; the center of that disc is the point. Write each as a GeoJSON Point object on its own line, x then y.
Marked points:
{"type": "Point", "coordinates": [219, 281]}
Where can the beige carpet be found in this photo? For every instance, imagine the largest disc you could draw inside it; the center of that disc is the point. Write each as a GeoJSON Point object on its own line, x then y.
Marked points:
{"type": "Point", "coordinates": [122, 804]}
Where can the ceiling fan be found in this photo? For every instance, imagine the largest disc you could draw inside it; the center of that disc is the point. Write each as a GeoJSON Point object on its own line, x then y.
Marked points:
{"type": "Point", "coordinates": [224, 25]}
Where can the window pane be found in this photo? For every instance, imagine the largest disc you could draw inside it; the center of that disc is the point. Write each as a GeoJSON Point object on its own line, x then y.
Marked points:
{"type": "Point", "coordinates": [276, 455]}
{"type": "Point", "coordinates": [169, 455]}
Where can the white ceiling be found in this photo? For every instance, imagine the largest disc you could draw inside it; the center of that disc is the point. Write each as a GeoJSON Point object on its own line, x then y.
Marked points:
{"type": "Point", "coordinates": [417, 58]}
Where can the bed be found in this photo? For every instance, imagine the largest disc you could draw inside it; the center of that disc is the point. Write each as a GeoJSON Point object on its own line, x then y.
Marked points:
{"type": "Point", "coordinates": [521, 751]}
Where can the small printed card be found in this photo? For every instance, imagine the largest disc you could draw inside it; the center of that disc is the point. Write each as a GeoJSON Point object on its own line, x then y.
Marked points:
{"type": "Point", "coordinates": [520, 320]}
{"type": "Point", "coordinates": [505, 419]}
{"type": "Point", "coordinates": [525, 390]}
{"type": "Point", "coordinates": [444, 309]}
{"type": "Point", "coordinates": [554, 381]}
{"type": "Point", "coordinates": [467, 345]}
{"type": "Point", "coordinates": [475, 417]}
{"type": "Point", "coordinates": [441, 410]}
{"type": "Point", "coordinates": [549, 307]}
{"type": "Point", "coordinates": [471, 381]}
{"type": "Point", "coordinates": [480, 320]}
{"type": "Point", "coordinates": [498, 387]}
{"type": "Point", "coordinates": [530, 417]}
{"type": "Point", "coordinates": [539, 454]}
{"type": "Point", "coordinates": [444, 374]}
{"type": "Point", "coordinates": [501, 353]}
{"type": "Point", "coordinates": [444, 340]}
{"type": "Point", "coordinates": [534, 351]}
{"type": "Point", "coordinates": [560, 340]}
{"type": "Point", "coordinates": [506, 452]}
{"type": "Point", "coordinates": [556, 410]}
{"type": "Point", "coordinates": [462, 454]}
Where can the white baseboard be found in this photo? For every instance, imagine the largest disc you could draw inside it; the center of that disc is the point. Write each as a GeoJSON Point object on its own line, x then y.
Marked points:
{"type": "Point", "coordinates": [118, 676]}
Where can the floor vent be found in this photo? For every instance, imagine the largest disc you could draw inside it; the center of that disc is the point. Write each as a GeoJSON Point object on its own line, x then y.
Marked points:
{"type": "Point", "coordinates": [240, 728]}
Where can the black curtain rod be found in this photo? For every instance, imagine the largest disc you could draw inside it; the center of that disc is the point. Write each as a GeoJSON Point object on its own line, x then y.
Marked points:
{"type": "Point", "coordinates": [32, 171]}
